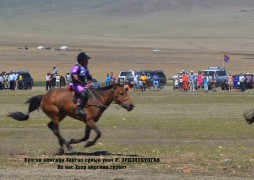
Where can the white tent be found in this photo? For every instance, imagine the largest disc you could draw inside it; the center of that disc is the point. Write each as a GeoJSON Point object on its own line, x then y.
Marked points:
{"type": "Point", "coordinates": [40, 47]}
{"type": "Point", "coordinates": [63, 48]}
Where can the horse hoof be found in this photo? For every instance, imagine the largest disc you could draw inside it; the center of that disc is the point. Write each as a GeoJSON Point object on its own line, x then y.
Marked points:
{"type": "Point", "coordinates": [89, 143]}
{"type": "Point", "coordinates": [60, 152]}
{"type": "Point", "coordinates": [70, 149]}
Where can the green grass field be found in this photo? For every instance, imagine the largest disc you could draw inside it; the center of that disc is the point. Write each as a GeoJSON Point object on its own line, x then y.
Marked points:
{"type": "Point", "coordinates": [194, 135]}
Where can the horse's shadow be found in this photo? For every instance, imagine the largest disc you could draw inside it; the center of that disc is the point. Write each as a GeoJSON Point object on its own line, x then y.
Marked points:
{"type": "Point", "coordinates": [98, 153]}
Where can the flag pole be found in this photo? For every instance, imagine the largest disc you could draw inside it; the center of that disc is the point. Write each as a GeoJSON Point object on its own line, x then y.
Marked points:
{"type": "Point", "coordinates": [223, 61]}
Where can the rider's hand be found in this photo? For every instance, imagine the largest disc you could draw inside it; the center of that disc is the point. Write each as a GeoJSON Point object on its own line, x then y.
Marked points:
{"type": "Point", "coordinates": [75, 77]}
{"type": "Point", "coordinates": [89, 83]}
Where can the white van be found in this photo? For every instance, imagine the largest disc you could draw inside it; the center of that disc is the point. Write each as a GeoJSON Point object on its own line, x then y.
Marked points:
{"type": "Point", "coordinates": [218, 73]}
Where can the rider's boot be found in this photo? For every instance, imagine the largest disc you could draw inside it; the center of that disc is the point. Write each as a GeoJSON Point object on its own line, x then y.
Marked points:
{"type": "Point", "coordinates": [80, 110]}
{"type": "Point", "coordinates": [81, 103]}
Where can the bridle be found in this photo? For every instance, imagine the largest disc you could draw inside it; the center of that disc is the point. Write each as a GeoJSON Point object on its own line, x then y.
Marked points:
{"type": "Point", "coordinates": [92, 91]}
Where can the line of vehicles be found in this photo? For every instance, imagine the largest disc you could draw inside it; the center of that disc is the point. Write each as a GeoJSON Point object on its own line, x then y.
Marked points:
{"type": "Point", "coordinates": [127, 76]}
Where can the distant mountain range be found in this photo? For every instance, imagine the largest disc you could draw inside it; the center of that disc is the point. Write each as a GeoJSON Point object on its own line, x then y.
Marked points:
{"type": "Point", "coordinates": [112, 7]}
{"type": "Point", "coordinates": [104, 20]}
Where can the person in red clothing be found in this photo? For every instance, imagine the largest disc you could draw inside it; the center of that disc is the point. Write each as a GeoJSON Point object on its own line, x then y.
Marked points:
{"type": "Point", "coordinates": [185, 82]}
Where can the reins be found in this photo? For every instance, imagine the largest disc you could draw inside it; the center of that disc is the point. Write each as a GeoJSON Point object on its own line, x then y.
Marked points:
{"type": "Point", "coordinates": [94, 98]}
{"type": "Point", "coordinates": [92, 91]}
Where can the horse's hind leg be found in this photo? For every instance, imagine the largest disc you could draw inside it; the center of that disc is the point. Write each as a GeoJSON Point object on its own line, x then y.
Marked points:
{"type": "Point", "coordinates": [56, 132]}
{"type": "Point", "coordinates": [56, 117]}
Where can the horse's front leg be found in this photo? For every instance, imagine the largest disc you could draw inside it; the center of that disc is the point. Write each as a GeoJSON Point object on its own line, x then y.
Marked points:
{"type": "Point", "coordinates": [85, 138]}
{"type": "Point", "coordinates": [93, 126]}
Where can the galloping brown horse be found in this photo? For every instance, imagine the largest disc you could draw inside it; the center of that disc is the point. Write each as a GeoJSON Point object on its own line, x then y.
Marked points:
{"type": "Point", "coordinates": [58, 103]}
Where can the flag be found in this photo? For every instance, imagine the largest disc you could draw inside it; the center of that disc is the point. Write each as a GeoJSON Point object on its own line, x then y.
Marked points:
{"type": "Point", "coordinates": [226, 57]}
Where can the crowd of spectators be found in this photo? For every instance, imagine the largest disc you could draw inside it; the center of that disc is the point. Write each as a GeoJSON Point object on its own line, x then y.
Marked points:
{"type": "Point", "coordinates": [12, 81]}
{"type": "Point", "coordinates": [199, 82]}
{"type": "Point", "coordinates": [141, 82]}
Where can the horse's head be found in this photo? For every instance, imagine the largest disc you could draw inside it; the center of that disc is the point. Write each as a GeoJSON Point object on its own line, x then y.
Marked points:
{"type": "Point", "coordinates": [122, 98]}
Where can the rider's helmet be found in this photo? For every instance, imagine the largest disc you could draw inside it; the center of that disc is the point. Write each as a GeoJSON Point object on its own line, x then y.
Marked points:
{"type": "Point", "coordinates": [82, 57]}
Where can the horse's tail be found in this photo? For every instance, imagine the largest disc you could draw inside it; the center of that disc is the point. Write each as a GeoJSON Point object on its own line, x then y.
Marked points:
{"type": "Point", "coordinates": [249, 116]}
{"type": "Point", "coordinates": [34, 103]}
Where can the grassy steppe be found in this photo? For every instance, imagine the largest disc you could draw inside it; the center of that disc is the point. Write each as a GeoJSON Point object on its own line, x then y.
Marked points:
{"type": "Point", "coordinates": [194, 134]}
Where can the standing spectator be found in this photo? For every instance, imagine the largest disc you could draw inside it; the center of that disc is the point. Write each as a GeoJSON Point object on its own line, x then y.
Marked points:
{"type": "Point", "coordinates": [53, 82]}
{"type": "Point", "coordinates": [48, 81]}
{"type": "Point", "coordinates": [112, 79]}
{"type": "Point", "coordinates": [176, 83]}
{"type": "Point", "coordinates": [180, 83]}
{"type": "Point", "coordinates": [241, 80]}
{"type": "Point", "coordinates": [155, 81]}
{"type": "Point", "coordinates": [57, 80]}
{"type": "Point", "coordinates": [236, 82]}
{"type": "Point", "coordinates": [6, 82]}
{"type": "Point", "coordinates": [199, 80]}
{"type": "Point", "coordinates": [248, 82]}
{"type": "Point", "coordinates": [205, 82]}
{"type": "Point", "coordinates": [185, 82]}
{"type": "Point", "coordinates": [68, 78]}
{"type": "Point", "coordinates": [11, 80]}
{"type": "Point", "coordinates": [16, 76]}
{"type": "Point", "coordinates": [230, 82]}
{"type": "Point", "coordinates": [54, 72]}
{"type": "Point", "coordinates": [20, 82]}
{"type": "Point", "coordinates": [140, 83]}
{"type": "Point", "coordinates": [107, 80]}
{"type": "Point", "coordinates": [148, 77]}
{"type": "Point", "coordinates": [213, 83]}
{"type": "Point", "coordinates": [1, 81]}
{"type": "Point", "coordinates": [135, 82]}
{"type": "Point", "coordinates": [143, 79]}
{"type": "Point", "coordinates": [192, 79]}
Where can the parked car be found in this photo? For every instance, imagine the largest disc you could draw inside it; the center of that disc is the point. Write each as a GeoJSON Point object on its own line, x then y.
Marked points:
{"type": "Point", "coordinates": [220, 75]}
{"type": "Point", "coordinates": [162, 77]}
{"type": "Point", "coordinates": [126, 75]}
{"type": "Point", "coordinates": [27, 80]}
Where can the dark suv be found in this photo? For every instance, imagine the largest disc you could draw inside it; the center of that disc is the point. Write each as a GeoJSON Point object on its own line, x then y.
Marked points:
{"type": "Point", "coordinates": [27, 82]}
